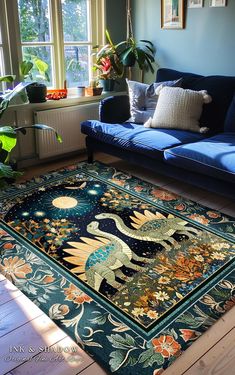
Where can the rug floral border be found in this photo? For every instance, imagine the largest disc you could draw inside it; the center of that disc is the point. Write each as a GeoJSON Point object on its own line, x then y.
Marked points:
{"type": "Point", "coordinates": [114, 345]}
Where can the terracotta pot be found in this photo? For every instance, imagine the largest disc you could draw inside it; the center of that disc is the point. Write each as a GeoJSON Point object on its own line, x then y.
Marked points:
{"type": "Point", "coordinates": [93, 91]}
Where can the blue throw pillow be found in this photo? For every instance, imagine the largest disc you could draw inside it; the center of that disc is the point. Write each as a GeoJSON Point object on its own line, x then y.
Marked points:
{"type": "Point", "coordinates": [229, 125]}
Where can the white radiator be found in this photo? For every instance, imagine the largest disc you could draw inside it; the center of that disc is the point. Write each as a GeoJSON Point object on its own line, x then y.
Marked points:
{"type": "Point", "coordinates": [66, 121]}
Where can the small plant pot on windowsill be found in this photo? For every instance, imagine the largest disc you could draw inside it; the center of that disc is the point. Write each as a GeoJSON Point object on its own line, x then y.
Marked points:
{"type": "Point", "coordinates": [93, 91]}
{"type": "Point", "coordinates": [37, 92]}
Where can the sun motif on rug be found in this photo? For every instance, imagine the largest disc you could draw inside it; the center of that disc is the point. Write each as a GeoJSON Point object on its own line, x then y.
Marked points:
{"type": "Point", "coordinates": [64, 202]}
{"type": "Point", "coordinates": [153, 227]}
{"type": "Point", "coordinates": [101, 258]}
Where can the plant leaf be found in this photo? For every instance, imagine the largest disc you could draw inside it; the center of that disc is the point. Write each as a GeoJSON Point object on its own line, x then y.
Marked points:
{"type": "Point", "coordinates": [120, 43]}
{"type": "Point", "coordinates": [150, 49]}
{"type": "Point", "coordinates": [147, 41]}
{"type": "Point", "coordinates": [141, 57]}
{"type": "Point", "coordinates": [109, 38]}
{"type": "Point", "coordinates": [3, 106]}
{"type": "Point", "coordinates": [7, 138]}
{"type": "Point", "coordinates": [120, 342]}
{"type": "Point", "coordinates": [117, 67]}
{"type": "Point", "coordinates": [40, 127]}
{"type": "Point", "coordinates": [47, 77]}
{"type": "Point", "coordinates": [42, 66]}
{"type": "Point", "coordinates": [151, 58]}
{"type": "Point", "coordinates": [125, 53]}
{"type": "Point", "coordinates": [101, 319]}
{"type": "Point", "coordinates": [149, 357]}
{"type": "Point", "coordinates": [7, 171]}
{"type": "Point", "coordinates": [21, 86]}
{"type": "Point", "coordinates": [149, 63]}
{"type": "Point", "coordinates": [25, 67]}
{"type": "Point", "coordinates": [117, 359]}
{"type": "Point", "coordinates": [7, 78]}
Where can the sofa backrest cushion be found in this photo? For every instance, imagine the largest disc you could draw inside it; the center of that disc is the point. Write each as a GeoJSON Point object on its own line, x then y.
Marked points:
{"type": "Point", "coordinates": [221, 89]}
{"type": "Point", "coordinates": [229, 125]}
{"type": "Point", "coordinates": [114, 109]}
{"type": "Point", "coordinates": [179, 108]}
{"type": "Point", "coordinates": [171, 74]}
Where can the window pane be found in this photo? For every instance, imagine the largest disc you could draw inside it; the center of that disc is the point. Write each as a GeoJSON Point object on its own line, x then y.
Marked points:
{"type": "Point", "coordinates": [2, 84]}
{"type": "Point", "coordinates": [75, 20]}
{"type": "Point", "coordinates": [34, 20]}
{"type": "Point", "coordinates": [77, 65]}
{"type": "Point", "coordinates": [1, 62]}
{"type": "Point", "coordinates": [44, 54]}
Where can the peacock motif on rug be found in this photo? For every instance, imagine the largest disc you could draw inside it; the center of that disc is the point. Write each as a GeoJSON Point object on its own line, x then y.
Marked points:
{"type": "Point", "coordinates": [101, 258]}
{"type": "Point", "coordinates": [153, 227]}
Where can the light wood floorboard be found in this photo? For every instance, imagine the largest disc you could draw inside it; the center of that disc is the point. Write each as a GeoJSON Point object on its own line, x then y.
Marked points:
{"type": "Point", "coordinates": [23, 323]}
{"type": "Point", "coordinates": [218, 360]}
{"type": "Point", "coordinates": [8, 291]}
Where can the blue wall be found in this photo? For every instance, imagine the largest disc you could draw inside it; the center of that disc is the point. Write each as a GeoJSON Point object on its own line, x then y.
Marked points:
{"type": "Point", "coordinates": [206, 45]}
{"type": "Point", "coordinates": [116, 19]}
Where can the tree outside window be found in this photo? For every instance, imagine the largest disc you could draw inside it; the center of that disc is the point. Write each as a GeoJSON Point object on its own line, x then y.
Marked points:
{"type": "Point", "coordinates": [67, 53]}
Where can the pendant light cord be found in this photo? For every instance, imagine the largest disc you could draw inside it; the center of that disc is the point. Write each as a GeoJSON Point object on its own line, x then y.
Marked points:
{"type": "Point", "coordinates": [129, 27]}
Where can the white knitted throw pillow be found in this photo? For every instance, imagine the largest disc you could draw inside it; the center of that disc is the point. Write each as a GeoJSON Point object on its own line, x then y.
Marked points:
{"type": "Point", "coordinates": [178, 108]}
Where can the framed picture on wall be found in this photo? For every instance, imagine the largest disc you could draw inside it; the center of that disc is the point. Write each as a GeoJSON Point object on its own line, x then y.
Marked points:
{"type": "Point", "coordinates": [195, 3]}
{"type": "Point", "coordinates": [217, 3]}
{"type": "Point", "coordinates": [172, 14]}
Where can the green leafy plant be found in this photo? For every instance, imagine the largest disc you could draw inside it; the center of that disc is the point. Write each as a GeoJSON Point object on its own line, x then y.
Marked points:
{"type": "Point", "coordinates": [107, 60]}
{"type": "Point", "coordinates": [8, 78]}
{"type": "Point", "coordinates": [141, 52]}
{"type": "Point", "coordinates": [34, 69]}
{"type": "Point", "coordinates": [111, 59]}
{"type": "Point", "coordinates": [25, 69]}
{"type": "Point", "coordinates": [8, 134]}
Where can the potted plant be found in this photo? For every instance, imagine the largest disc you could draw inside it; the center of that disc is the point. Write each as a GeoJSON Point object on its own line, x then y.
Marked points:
{"type": "Point", "coordinates": [108, 63]}
{"type": "Point", "coordinates": [8, 134]}
{"type": "Point", "coordinates": [141, 52]}
{"type": "Point", "coordinates": [36, 91]}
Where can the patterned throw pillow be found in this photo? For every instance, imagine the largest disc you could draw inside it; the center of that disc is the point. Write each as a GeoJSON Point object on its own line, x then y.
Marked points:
{"type": "Point", "coordinates": [179, 108]}
{"type": "Point", "coordinates": [143, 99]}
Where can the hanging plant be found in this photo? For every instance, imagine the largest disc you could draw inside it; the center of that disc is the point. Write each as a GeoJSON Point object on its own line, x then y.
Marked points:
{"type": "Point", "coordinates": [141, 52]}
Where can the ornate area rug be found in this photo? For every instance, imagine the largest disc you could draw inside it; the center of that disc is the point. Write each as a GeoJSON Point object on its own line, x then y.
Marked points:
{"type": "Point", "coordinates": [132, 272]}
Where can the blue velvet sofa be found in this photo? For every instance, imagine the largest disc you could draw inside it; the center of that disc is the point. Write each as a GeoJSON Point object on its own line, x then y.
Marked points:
{"type": "Point", "coordinates": [205, 160]}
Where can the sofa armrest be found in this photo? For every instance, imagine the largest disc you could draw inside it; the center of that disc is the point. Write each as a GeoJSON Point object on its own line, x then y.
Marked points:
{"type": "Point", "coordinates": [115, 109]}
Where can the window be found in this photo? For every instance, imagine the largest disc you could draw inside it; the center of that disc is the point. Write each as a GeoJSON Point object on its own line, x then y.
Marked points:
{"type": "Point", "coordinates": [4, 56]}
{"type": "Point", "coordinates": [77, 41]}
{"type": "Point", "coordinates": [36, 34]}
{"type": "Point", "coordinates": [61, 33]}
{"type": "Point", "coordinates": [1, 56]}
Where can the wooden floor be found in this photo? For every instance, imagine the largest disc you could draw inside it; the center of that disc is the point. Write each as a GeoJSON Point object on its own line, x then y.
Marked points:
{"type": "Point", "coordinates": [24, 325]}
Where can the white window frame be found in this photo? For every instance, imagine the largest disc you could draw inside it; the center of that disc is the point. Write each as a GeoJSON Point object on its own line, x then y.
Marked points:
{"type": "Point", "coordinates": [6, 66]}
{"type": "Point", "coordinates": [13, 56]}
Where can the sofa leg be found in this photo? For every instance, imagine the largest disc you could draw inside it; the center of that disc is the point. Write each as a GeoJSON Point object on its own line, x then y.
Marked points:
{"type": "Point", "coordinates": [90, 155]}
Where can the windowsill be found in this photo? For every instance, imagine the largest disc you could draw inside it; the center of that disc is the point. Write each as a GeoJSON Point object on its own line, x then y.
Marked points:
{"type": "Point", "coordinates": [69, 101]}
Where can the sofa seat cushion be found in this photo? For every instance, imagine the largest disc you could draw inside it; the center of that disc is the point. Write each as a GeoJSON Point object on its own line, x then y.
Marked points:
{"type": "Point", "coordinates": [214, 156]}
{"type": "Point", "coordinates": [130, 136]}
